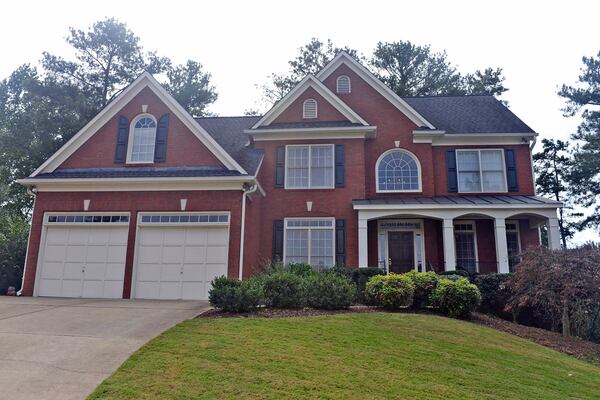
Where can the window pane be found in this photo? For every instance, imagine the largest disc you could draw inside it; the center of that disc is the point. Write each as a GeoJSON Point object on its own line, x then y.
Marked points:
{"type": "Point", "coordinates": [321, 244]}
{"type": "Point", "coordinates": [321, 160]}
{"type": "Point", "coordinates": [465, 251]}
{"type": "Point", "coordinates": [398, 170]}
{"type": "Point", "coordinates": [296, 246]}
{"type": "Point", "coordinates": [467, 160]}
{"type": "Point", "coordinates": [144, 136]}
{"type": "Point", "coordinates": [493, 181]}
{"type": "Point", "coordinates": [469, 181]}
{"type": "Point", "coordinates": [491, 160]}
{"type": "Point", "coordinates": [297, 167]}
{"type": "Point", "coordinates": [512, 244]}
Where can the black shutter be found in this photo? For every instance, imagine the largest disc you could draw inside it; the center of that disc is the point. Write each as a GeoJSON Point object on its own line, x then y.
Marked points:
{"type": "Point", "coordinates": [280, 166]}
{"type": "Point", "coordinates": [451, 169]}
{"type": "Point", "coordinates": [160, 147]}
{"type": "Point", "coordinates": [278, 240]}
{"type": "Point", "coordinates": [122, 138]}
{"type": "Point", "coordinates": [511, 170]}
{"type": "Point", "coordinates": [340, 242]}
{"type": "Point", "coordinates": [339, 165]}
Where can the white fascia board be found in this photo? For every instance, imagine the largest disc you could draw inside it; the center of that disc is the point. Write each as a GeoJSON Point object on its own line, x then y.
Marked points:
{"type": "Point", "coordinates": [292, 95]}
{"type": "Point", "coordinates": [144, 80]}
{"type": "Point", "coordinates": [304, 134]}
{"type": "Point", "coordinates": [441, 207]}
{"type": "Point", "coordinates": [376, 84]}
{"type": "Point", "coordinates": [458, 139]}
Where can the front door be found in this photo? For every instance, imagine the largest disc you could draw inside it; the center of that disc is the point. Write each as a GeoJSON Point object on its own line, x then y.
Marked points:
{"type": "Point", "coordinates": [401, 252]}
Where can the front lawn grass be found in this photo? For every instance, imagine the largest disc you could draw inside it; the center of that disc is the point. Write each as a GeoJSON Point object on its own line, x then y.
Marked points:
{"type": "Point", "coordinates": [347, 356]}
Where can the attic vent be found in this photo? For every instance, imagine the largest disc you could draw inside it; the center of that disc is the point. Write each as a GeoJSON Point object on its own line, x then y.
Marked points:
{"type": "Point", "coordinates": [343, 84]}
{"type": "Point", "coordinates": [309, 108]}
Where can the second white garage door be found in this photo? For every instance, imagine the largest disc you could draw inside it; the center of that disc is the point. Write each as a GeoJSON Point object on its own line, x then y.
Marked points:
{"type": "Point", "coordinates": [179, 260]}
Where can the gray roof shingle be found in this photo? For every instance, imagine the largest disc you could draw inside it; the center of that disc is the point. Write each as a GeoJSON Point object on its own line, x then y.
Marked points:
{"type": "Point", "coordinates": [229, 133]}
{"type": "Point", "coordinates": [468, 114]}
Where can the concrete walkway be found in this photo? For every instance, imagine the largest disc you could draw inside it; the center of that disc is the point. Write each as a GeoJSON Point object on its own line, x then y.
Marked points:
{"type": "Point", "coordinates": [54, 348]}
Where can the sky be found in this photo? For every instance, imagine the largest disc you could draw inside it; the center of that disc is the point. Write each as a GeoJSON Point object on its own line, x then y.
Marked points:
{"type": "Point", "coordinates": [539, 44]}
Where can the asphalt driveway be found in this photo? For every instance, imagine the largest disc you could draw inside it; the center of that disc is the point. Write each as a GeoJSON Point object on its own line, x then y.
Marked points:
{"type": "Point", "coordinates": [63, 348]}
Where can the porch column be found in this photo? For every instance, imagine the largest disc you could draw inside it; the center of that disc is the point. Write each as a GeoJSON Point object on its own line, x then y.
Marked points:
{"type": "Point", "coordinates": [501, 246]}
{"type": "Point", "coordinates": [449, 249]}
{"type": "Point", "coordinates": [553, 234]}
{"type": "Point", "coordinates": [363, 248]}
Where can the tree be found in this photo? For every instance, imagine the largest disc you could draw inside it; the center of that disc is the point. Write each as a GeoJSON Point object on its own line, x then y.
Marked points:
{"type": "Point", "coordinates": [551, 165]}
{"type": "Point", "coordinates": [311, 59]}
{"type": "Point", "coordinates": [191, 87]}
{"type": "Point", "coordinates": [584, 178]}
{"type": "Point", "coordinates": [413, 70]}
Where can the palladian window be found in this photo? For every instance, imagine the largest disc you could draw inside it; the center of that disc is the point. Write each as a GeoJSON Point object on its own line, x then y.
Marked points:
{"type": "Point", "coordinates": [398, 171]}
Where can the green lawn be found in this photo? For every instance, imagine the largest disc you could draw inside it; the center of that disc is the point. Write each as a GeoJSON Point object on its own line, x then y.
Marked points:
{"type": "Point", "coordinates": [347, 356]}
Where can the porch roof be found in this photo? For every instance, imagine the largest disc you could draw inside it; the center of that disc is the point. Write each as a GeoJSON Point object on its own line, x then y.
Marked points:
{"type": "Point", "coordinates": [458, 200]}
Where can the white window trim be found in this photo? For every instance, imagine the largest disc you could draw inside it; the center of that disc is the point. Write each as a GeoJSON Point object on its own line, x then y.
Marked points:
{"type": "Point", "coordinates": [480, 172]}
{"type": "Point", "coordinates": [304, 109]}
{"type": "Point", "coordinates": [309, 228]}
{"type": "Point", "coordinates": [130, 138]}
{"type": "Point", "coordinates": [474, 232]}
{"type": "Point", "coordinates": [337, 84]}
{"type": "Point", "coordinates": [184, 224]}
{"type": "Point", "coordinates": [410, 153]}
{"type": "Point", "coordinates": [47, 214]}
{"type": "Point", "coordinates": [310, 146]}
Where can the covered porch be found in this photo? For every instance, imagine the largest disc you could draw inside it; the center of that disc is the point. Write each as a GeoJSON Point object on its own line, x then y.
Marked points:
{"type": "Point", "coordinates": [479, 234]}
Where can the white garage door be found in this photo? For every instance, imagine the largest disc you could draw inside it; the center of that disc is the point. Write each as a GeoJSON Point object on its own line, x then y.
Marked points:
{"type": "Point", "coordinates": [179, 255]}
{"type": "Point", "coordinates": [83, 256]}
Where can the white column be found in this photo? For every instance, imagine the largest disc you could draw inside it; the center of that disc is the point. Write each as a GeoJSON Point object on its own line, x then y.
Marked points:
{"type": "Point", "coordinates": [553, 234]}
{"type": "Point", "coordinates": [501, 246]}
{"type": "Point", "coordinates": [363, 247]}
{"type": "Point", "coordinates": [449, 249]}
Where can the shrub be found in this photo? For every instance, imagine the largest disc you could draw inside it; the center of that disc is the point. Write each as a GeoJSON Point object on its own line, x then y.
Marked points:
{"type": "Point", "coordinates": [299, 269]}
{"type": "Point", "coordinates": [283, 289]}
{"type": "Point", "coordinates": [341, 270]}
{"type": "Point", "coordinates": [233, 295]}
{"type": "Point", "coordinates": [457, 298]}
{"type": "Point", "coordinates": [459, 272]}
{"type": "Point", "coordinates": [425, 284]}
{"type": "Point", "coordinates": [390, 291]}
{"type": "Point", "coordinates": [360, 276]}
{"type": "Point", "coordinates": [329, 291]}
{"type": "Point", "coordinates": [494, 294]}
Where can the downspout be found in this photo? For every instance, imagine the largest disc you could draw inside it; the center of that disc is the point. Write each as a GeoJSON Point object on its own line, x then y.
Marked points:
{"type": "Point", "coordinates": [533, 142]}
{"type": "Point", "coordinates": [247, 190]}
{"type": "Point", "coordinates": [30, 191]}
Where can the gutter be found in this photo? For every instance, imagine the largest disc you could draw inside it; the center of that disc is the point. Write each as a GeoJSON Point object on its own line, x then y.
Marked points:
{"type": "Point", "coordinates": [247, 190]}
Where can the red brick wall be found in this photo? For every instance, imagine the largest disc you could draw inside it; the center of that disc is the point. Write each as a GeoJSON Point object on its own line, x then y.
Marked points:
{"type": "Point", "coordinates": [133, 202]}
{"type": "Point", "coordinates": [183, 147]}
{"type": "Point", "coordinates": [325, 111]}
{"type": "Point", "coordinates": [529, 236]}
{"type": "Point", "coordinates": [523, 162]}
{"type": "Point", "coordinates": [486, 245]}
{"type": "Point", "coordinates": [434, 244]}
{"type": "Point", "coordinates": [280, 203]}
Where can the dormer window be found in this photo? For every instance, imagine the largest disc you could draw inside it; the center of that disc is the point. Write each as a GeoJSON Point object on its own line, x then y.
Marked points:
{"type": "Point", "coordinates": [309, 109]}
{"type": "Point", "coordinates": [142, 139]}
{"type": "Point", "coordinates": [343, 84]}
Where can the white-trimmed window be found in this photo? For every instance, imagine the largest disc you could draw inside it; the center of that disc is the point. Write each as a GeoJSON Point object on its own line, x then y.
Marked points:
{"type": "Point", "coordinates": [398, 171]}
{"type": "Point", "coordinates": [513, 243]}
{"type": "Point", "coordinates": [466, 246]}
{"type": "Point", "coordinates": [309, 166]}
{"type": "Point", "coordinates": [481, 170]}
{"type": "Point", "coordinates": [343, 84]}
{"type": "Point", "coordinates": [310, 241]}
{"type": "Point", "coordinates": [142, 138]}
{"type": "Point", "coordinates": [309, 109]}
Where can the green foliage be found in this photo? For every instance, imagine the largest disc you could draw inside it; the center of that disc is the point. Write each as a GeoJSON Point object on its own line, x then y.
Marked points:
{"type": "Point", "coordinates": [390, 291]}
{"type": "Point", "coordinates": [233, 295]}
{"type": "Point", "coordinates": [583, 176]}
{"type": "Point", "coordinates": [457, 298]}
{"type": "Point", "coordinates": [495, 293]}
{"type": "Point", "coordinates": [299, 269]}
{"type": "Point", "coordinates": [13, 246]}
{"type": "Point", "coordinates": [361, 276]}
{"type": "Point", "coordinates": [329, 290]}
{"type": "Point", "coordinates": [283, 289]}
{"type": "Point", "coordinates": [425, 283]}
{"type": "Point", "coordinates": [561, 287]}
{"type": "Point", "coordinates": [191, 87]}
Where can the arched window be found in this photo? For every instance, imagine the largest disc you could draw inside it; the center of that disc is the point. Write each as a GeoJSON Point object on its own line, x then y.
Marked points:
{"type": "Point", "coordinates": [142, 138]}
{"type": "Point", "coordinates": [309, 109]}
{"type": "Point", "coordinates": [343, 84]}
{"type": "Point", "coordinates": [398, 171]}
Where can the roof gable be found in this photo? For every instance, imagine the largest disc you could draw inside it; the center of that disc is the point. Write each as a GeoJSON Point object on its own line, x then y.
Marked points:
{"type": "Point", "coordinates": [143, 81]}
{"type": "Point", "coordinates": [367, 76]}
{"type": "Point", "coordinates": [309, 82]}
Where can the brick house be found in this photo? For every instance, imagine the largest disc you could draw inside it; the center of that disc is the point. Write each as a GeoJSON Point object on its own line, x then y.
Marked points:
{"type": "Point", "coordinates": [148, 202]}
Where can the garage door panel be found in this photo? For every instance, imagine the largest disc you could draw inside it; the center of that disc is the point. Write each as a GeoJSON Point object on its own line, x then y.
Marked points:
{"type": "Point", "coordinates": [114, 272]}
{"type": "Point", "coordinates": [57, 237]}
{"type": "Point", "coordinates": [50, 287]}
{"type": "Point", "coordinates": [193, 290]}
{"type": "Point", "coordinates": [118, 237]}
{"type": "Point", "coordinates": [174, 237]}
{"type": "Point", "coordinates": [170, 290]}
{"type": "Point", "coordinates": [217, 237]}
{"type": "Point", "coordinates": [170, 273]}
{"type": "Point", "coordinates": [113, 289]}
{"type": "Point", "coordinates": [151, 236]}
{"type": "Point", "coordinates": [71, 288]}
{"type": "Point", "coordinates": [76, 236]}
{"type": "Point", "coordinates": [99, 236]}
{"type": "Point", "coordinates": [216, 254]}
{"type": "Point", "coordinates": [76, 254]}
{"type": "Point", "coordinates": [148, 272]}
{"type": "Point", "coordinates": [73, 270]}
{"type": "Point", "coordinates": [150, 254]}
{"type": "Point", "coordinates": [194, 273]}
{"type": "Point", "coordinates": [214, 270]}
{"type": "Point", "coordinates": [172, 254]}
{"type": "Point", "coordinates": [94, 289]}
{"type": "Point", "coordinates": [194, 254]}
{"type": "Point", "coordinates": [52, 270]}
{"type": "Point", "coordinates": [116, 254]}
{"type": "Point", "coordinates": [196, 237]}
{"type": "Point", "coordinates": [54, 253]}
{"type": "Point", "coordinates": [94, 271]}
{"type": "Point", "coordinates": [147, 290]}
{"type": "Point", "coordinates": [97, 254]}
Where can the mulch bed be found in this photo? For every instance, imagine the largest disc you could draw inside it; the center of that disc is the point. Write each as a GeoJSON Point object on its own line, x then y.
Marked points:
{"type": "Point", "coordinates": [582, 349]}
